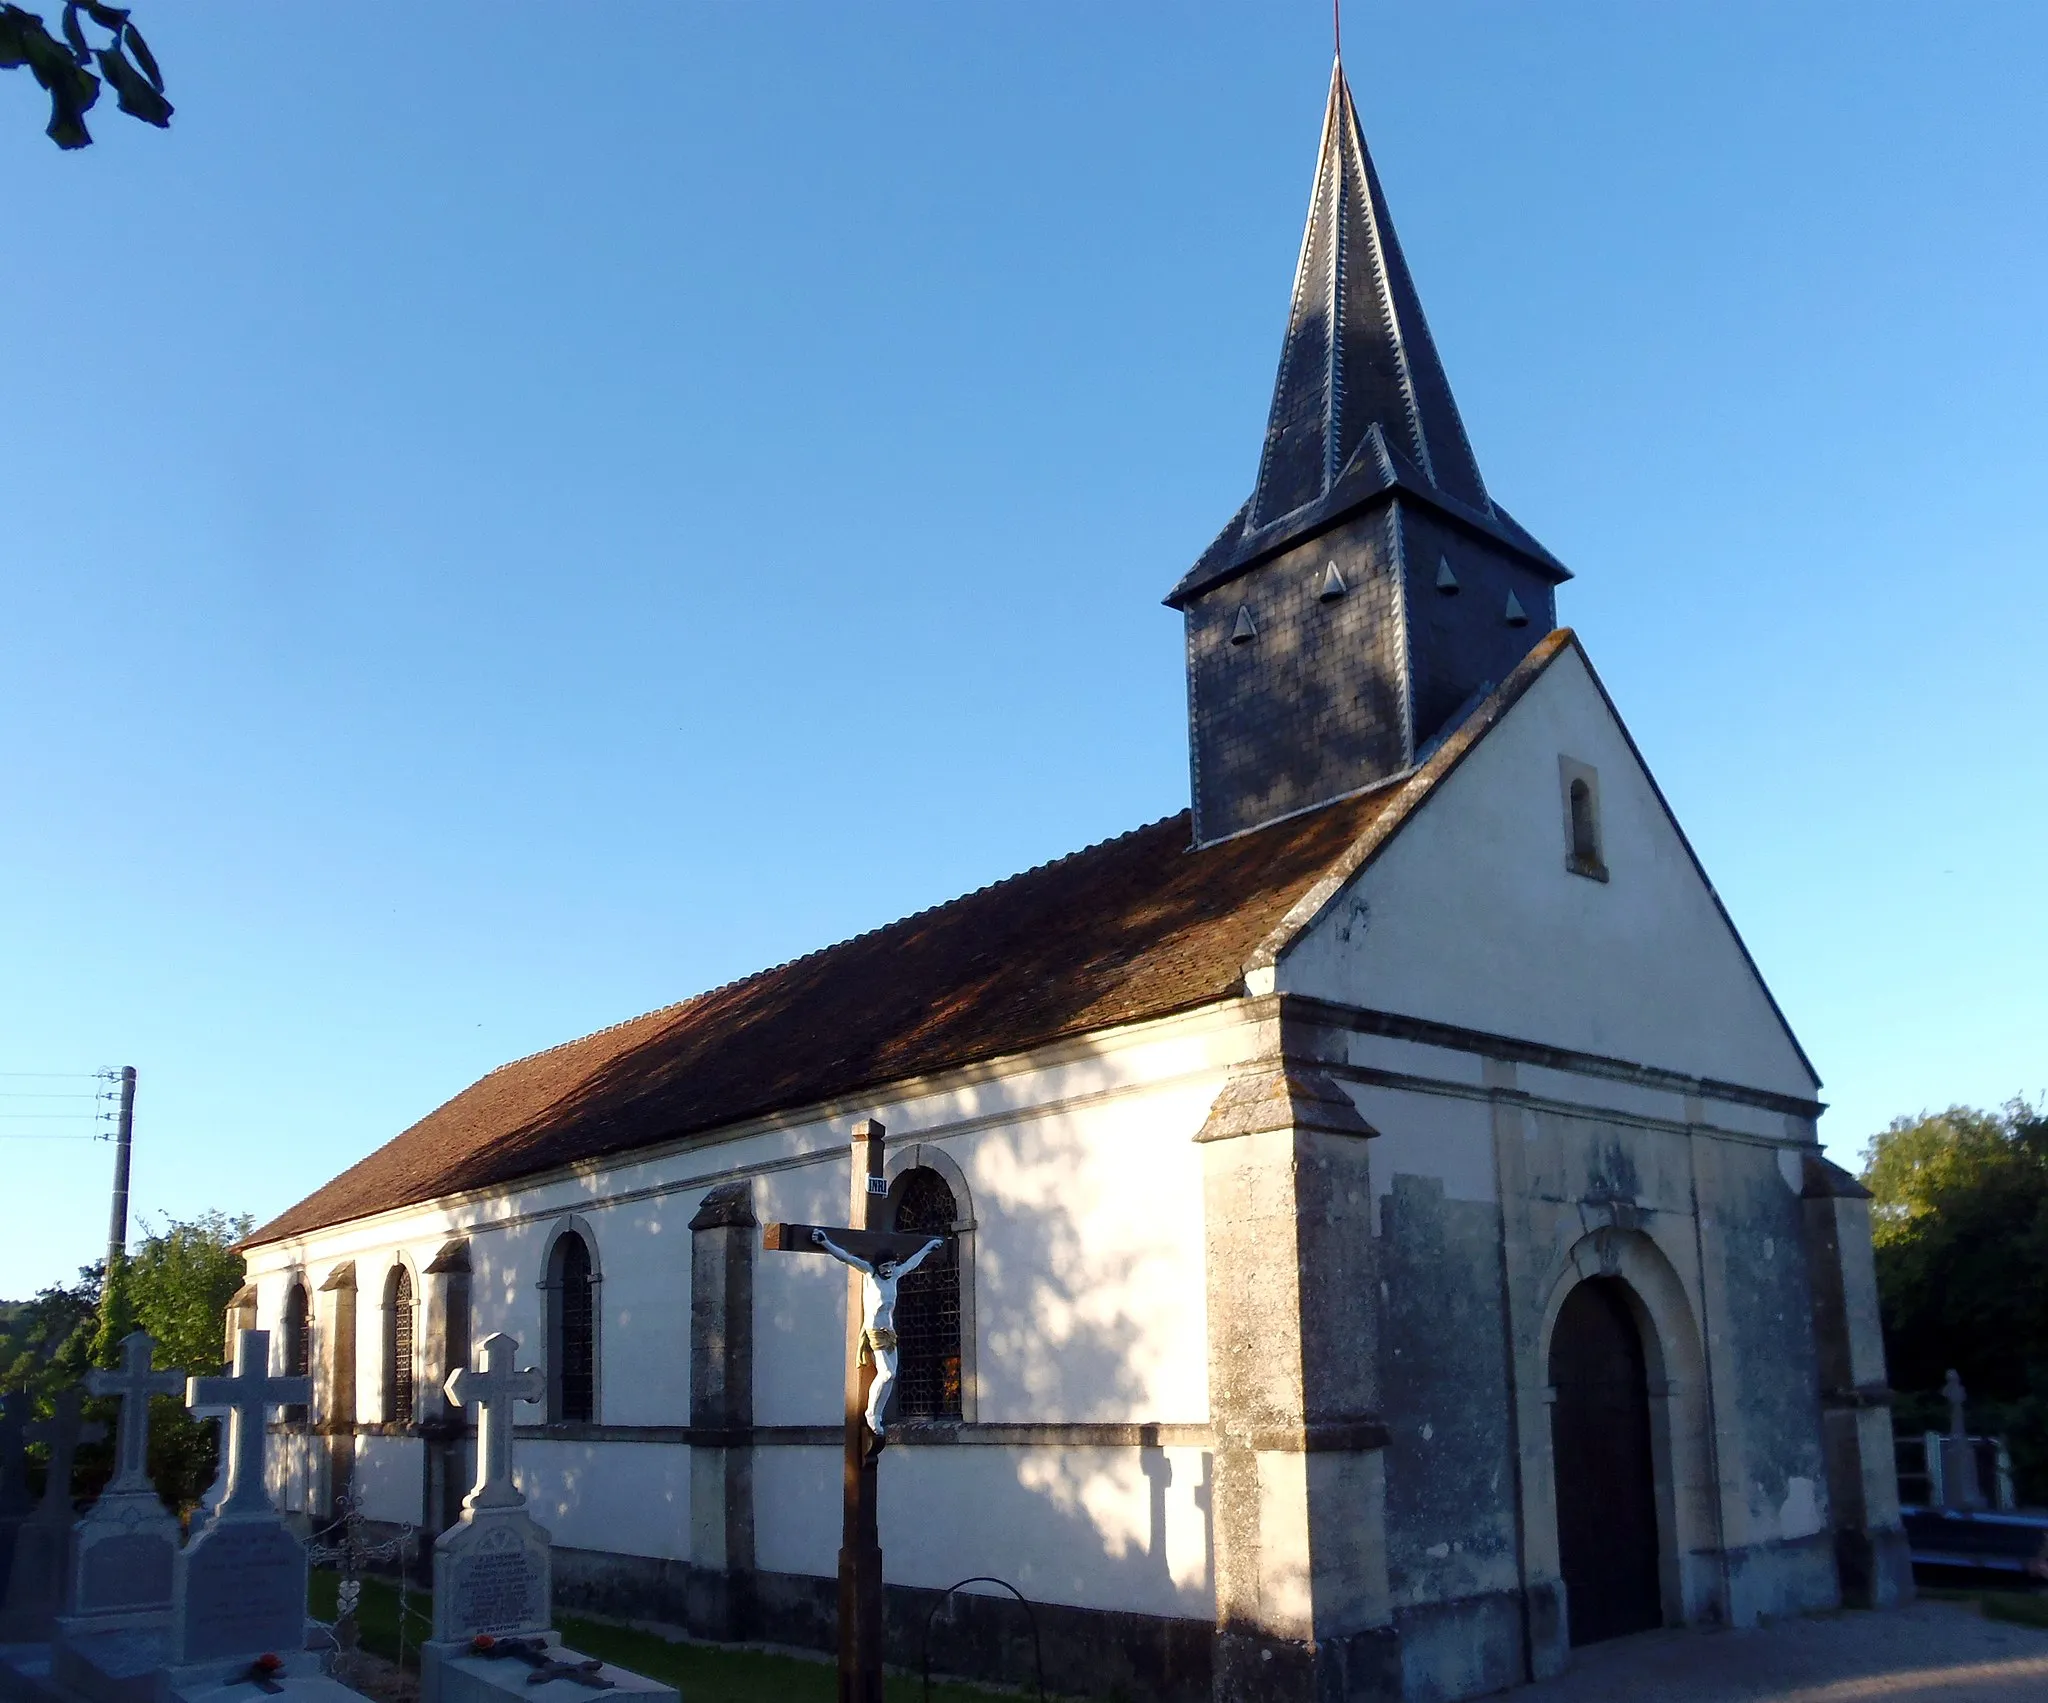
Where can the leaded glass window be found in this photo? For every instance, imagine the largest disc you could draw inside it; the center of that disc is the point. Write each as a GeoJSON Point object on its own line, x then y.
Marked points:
{"type": "Point", "coordinates": [398, 1362]}
{"type": "Point", "coordinates": [297, 1345]}
{"type": "Point", "coordinates": [574, 1336]}
{"type": "Point", "coordinates": [928, 1305]}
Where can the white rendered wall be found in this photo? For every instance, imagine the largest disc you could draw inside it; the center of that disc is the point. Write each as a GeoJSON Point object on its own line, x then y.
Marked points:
{"type": "Point", "coordinates": [1088, 1292]}
{"type": "Point", "coordinates": [1088, 1278]}
{"type": "Point", "coordinates": [1470, 917]}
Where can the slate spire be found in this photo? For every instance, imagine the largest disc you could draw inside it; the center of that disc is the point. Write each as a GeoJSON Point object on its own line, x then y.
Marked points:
{"type": "Point", "coordinates": [1370, 591]}
{"type": "Point", "coordinates": [1358, 351]}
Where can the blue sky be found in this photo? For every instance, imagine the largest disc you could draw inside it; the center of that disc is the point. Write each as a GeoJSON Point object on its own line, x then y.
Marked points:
{"type": "Point", "coordinates": [516, 515]}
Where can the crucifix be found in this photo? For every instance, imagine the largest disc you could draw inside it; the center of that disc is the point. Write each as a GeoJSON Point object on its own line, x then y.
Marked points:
{"type": "Point", "coordinates": [63, 1432]}
{"type": "Point", "coordinates": [492, 1388]}
{"type": "Point", "coordinates": [247, 1395]}
{"type": "Point", "coordinates": [133, 1384]}
{"type": "Point", "coordinates": [876, 1260]}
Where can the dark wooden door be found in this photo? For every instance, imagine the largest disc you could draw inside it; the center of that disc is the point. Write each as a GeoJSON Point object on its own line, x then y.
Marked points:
{"type": "Point", "coordinates": [1600, 1441]}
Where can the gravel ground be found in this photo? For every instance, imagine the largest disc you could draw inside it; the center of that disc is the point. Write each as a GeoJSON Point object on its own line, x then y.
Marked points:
{"type": "Point", "coordinates": [1932, 1652]}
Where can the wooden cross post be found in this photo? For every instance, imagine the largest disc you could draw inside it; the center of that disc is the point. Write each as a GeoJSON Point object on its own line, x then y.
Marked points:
{"type": "Point", "coordinates": [860, 1544]}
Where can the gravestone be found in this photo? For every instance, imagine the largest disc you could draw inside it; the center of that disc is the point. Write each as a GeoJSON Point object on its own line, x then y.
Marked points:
{"type": "Point", "coordinates": [494, 1635]}
{"type": "Point", "coordinates": [1961, 1486]}
{"type": "Point", "coordinates": [111, 1643]}
{"type": "Point", "coordinates": [37, 1583]}
{"type": "Point", "coordinates": [215, 1493]}
{"type": "Point", "coordinates": [125, 1545]}
{"type": "Point", "coordinates": [238, 1593]}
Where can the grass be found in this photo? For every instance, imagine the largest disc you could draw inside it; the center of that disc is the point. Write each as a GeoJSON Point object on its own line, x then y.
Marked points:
{"type": "Point", "coordinates": [703, 1673]}
{"type": "Point", "coordinates": [2020, 1608]}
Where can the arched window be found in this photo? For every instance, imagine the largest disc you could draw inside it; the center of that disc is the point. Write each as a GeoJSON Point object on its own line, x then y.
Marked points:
{"type": "Point", "coordinates": [1585, 842]}
{"type": "Point", "coordinates": [1582, 820]}
{"type": "Point", "coordinates": [572, 1331]}
{"type": "Point", "coordinates": [399, 1337]}
{"type": "Point", "coordinates": [928, 1304]}
{"type": "Point", "coordinates": [297, 1345]}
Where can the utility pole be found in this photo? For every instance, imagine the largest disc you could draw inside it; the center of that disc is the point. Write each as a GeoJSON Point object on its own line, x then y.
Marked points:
{"type": "Point", "coordinates": [117, 1229]}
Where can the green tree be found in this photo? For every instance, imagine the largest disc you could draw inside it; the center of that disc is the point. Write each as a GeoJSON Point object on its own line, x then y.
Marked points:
{"type": "Point", "coordinates": [63, 67]}
{"type": "Point", "coordinates": [45, 1344]}
{"type": "Point", "coordinates": [117, 1313]}
{"type": "Point", "coordinates": [175, 1284]}
{"type": "Point", "coordinates": [1960, 1219]}
{"type": "Point", "coordinates": [180, 1280]}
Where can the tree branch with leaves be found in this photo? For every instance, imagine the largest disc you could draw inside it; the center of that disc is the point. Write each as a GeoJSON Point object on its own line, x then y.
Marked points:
{"type": "Point", "coordinates": [63, 66]}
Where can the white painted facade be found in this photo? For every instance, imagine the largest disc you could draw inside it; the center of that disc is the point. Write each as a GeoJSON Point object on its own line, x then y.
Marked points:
{"type": "Point", "coordinates": [1551, 1018]}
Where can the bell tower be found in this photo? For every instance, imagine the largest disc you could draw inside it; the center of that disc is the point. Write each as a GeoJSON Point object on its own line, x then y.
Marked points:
{"type": "Point", "coordinates": [1370, 590]}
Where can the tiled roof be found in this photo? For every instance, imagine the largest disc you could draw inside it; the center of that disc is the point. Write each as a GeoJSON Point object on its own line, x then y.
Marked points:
{"type": "Point", "coordinates": [1133, 928]}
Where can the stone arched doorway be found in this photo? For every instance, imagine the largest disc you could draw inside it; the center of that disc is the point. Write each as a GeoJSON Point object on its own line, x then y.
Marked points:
{"type": "Point", "coordinates": [1604, 1463]}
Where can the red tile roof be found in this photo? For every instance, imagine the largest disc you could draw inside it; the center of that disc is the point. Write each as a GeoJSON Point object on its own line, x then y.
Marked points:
{"type": "Point", "coordinates": [1137, 927]}
{"type": "Point", "coordinates": [1133, 928]}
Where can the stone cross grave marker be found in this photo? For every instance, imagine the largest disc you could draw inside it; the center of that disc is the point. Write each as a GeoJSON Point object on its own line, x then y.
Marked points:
{"type": "Point", "coordinates": [125, 1547]}
{"type": "Point", "coordinates": [240, 1586]}
{"type": "Point", "coordinates": [134, 1382]}
{"type": "Point", "coordinates": [238, 1595]}
{"type": "Point", "coordinates": [876, 1259]}
{"type": "Point", "coordinates": [36, 1583]}
{"type": "Point", "coordinates": [491, 1572]}
{"type": "Point", "coordinates": [1961, 1486]}
{"type": "Point", "coordinates": [494, 1636]}
{"type": "Point", "coordinates": [491, 1389]}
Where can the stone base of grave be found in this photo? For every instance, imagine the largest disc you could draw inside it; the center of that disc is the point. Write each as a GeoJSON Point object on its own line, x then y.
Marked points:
{"type": "Point", "coordinates": [123, 1554]}
{"type": "Point", "coordinates": [453, 1673]}
{"type": "Point", "coordinates": [25, 1674]}
{"type": "Point", "coordinates": [35, 1585]}
{"type": "Point", "coordinates": [111, 1664]}
{"type": "Point", "coordinates": [298, 1680]}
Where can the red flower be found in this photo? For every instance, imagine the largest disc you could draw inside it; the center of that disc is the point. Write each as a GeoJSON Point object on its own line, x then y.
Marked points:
{"type": "Point", "coordinates": [269, 1663]}
{"type": "Point", "coordinates": [482, 1641]}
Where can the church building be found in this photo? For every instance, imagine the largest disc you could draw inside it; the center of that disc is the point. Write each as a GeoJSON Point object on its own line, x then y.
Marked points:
{"type": "Point", "coordinates": [1386, 1242]}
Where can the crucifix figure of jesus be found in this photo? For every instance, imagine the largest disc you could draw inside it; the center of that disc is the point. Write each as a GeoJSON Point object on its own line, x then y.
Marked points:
{"type": "Point", "coordinates": [877, 1261]}
{"type": "Point", "coordinates": [247, 1395]}
{"type": "Point", "coordinates": [880, 1278]}
{"type": "Point", "coordinates": [134, 1383]}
